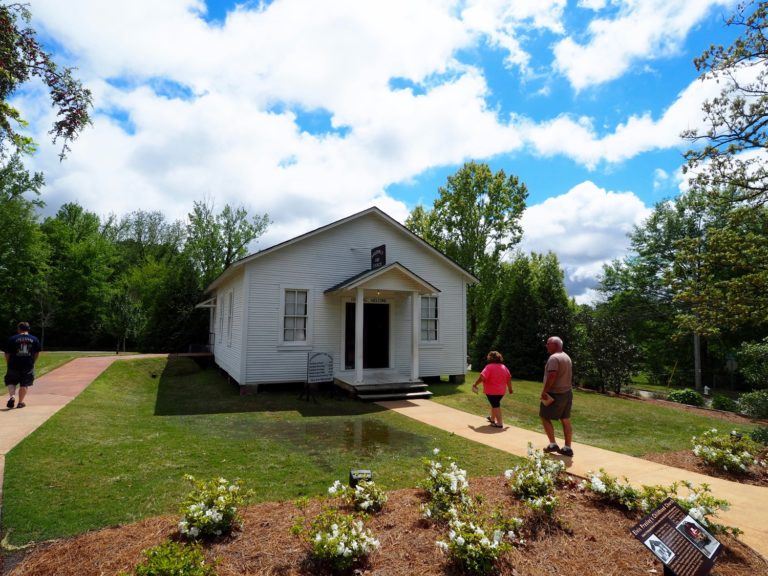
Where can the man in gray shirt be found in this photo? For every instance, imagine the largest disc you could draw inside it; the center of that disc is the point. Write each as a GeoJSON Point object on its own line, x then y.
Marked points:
{"type": "Point", "coordinates": [558, 385]}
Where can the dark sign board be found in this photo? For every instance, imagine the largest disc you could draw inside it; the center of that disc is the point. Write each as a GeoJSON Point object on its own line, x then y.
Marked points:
{"type": "Point", "coordinates": [685, 547]}
{"type": "Point", "coordinates": [319, 368]}
{"type": "Point", "coordinates": [378, 256]}
{"type": "Point", "coordinates": [356, 476]}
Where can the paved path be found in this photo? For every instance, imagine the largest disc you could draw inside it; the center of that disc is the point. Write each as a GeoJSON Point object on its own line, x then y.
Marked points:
{"type": "Point", "coordinates": [749, 504]}
{"type": "Point", "coordinates": [49, 394]}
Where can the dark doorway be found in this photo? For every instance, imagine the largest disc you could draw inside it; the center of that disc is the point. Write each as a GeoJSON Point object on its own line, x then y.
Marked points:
{"type": "Point", "coordinates": [375, 336]}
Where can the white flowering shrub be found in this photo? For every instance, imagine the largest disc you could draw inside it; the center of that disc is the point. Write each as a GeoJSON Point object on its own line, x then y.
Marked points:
{"type": "Point", "coordinates": [730, 452]}
{"type": "Point", "coordinates": [210, 509]}
{"type": "Point", "coordinates": [534, 481]}
{"type": "Point", "coordinates": [472, 547]}
{"type": "Point", "coordinates": [609, 489]}
{"type": "Point", "coordinates": [447, 488]}
{"type": "Point", "coordinates": [340, 541]}
{"type": "Point", "coordinates": [365, 497]}
{"type": "Point", "coordinates": [699, 503]}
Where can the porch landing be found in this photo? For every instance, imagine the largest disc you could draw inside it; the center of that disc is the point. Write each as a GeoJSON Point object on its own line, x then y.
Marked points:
{"type": "Point", "coordinates": [381, 385]}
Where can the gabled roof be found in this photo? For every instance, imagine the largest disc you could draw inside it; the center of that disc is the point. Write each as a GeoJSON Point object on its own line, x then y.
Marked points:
{"type": "Point", "coordinates": [373, 210]}
{"type": "Point", "coordinates": [368, 275]}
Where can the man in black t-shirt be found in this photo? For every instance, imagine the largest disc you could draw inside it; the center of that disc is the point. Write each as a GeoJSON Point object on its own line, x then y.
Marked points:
{"type": "Point", "coordinates": [21, 351]}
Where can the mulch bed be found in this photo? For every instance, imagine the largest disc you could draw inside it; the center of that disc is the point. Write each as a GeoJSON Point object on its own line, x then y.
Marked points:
{"type": "Point", "coordinates": [594, 539]}
{"type": "Point", "coordinates": [687, 460]}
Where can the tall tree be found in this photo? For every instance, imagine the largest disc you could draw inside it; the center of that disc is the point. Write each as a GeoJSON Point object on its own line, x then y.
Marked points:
{"type": "Point", "coordinates": [735, 141]}
{"type": "Point", "coordinates": [475, 220]}
{"type": "Point", "coordinates": [214, 241]}
{"type": "Point", "coordinates": [23, 249]}
{"type": "Point", "coordinates": [23, 58]}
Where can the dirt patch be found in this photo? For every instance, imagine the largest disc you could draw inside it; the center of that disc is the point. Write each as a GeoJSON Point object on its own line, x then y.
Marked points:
{"type": "Point", "coordinates": [594, 539]}
{"type": "Point", "coordinates": [687, 460]}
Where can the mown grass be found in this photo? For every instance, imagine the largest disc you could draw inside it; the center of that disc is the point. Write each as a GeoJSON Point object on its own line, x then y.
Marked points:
{"type": "Point", "coordinates": [628, 426]}
{"type": "Point", "coordinates": [118, 452]}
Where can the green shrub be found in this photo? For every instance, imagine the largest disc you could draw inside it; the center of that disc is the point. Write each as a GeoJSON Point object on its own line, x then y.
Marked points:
{"type": "Point", "coordinates": [210, 509]}
{"type": "Point", "coordinates": [174, 559]}
{"type": "Point", "coordinates": [475, 548]}
{"type": "Point", "coordinates": [365, 497]}
{"type": "Point", "coordinates": [731, 452]}
{"type": "Point", "coordinates": [760, 434]}
{"type": "Point", "coordinates": [535, 480]}
{"type": "Point", "coordinates": [686, 396]}
{"type": "Point", "coordinates": [754, 404]}
{"type": "Point", "coordinates": [447, 488]}
{"type": "Point", "coordinates": [339, 541]}
{"type": "Point", "coordinates": [720, 402]}
{"type": "Point", "coordinates": [609, 489]}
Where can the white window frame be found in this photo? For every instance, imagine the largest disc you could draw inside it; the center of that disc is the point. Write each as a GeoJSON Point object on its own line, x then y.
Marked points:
{"type": "Point", "coordinates": [220, 312]}
{"type": "Point", "coordinates": [295, 344]}
{"type": "Point", "coordinates": [230, 316]}
{"type": "Point", "coordinates": [435, 319]}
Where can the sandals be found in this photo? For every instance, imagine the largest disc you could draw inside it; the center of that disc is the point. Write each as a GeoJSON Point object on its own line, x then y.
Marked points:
{"type": "Point", "coordinates": [497, 425]}
{"type": "Point", "coordinates": [11, 402]}
{"type": "Point", "coordinates": [21, 405]}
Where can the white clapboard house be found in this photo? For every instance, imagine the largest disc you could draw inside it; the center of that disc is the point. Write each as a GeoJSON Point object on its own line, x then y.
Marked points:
{"type": "Point", "coordinates": [362, 302]}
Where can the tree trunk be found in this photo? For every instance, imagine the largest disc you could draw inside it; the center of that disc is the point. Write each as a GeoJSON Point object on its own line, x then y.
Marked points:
{"type": "Point", "coordinates": [697, 361]}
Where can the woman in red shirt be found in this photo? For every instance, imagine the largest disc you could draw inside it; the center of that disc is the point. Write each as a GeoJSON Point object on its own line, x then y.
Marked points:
{"type": "Point", "coordinates": [496, 380]}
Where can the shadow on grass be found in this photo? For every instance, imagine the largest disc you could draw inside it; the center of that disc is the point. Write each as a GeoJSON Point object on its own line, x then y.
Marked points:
{"type": "Point", "coordinates": [185, 389]}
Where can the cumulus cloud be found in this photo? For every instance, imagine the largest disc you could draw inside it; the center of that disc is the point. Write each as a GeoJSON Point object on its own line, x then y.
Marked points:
{"type": "Point", "coordinates": [187, 109]}
{"type": "Point", "coordinates": [643, 30]}
{"type": "Point", "coordinates": [586, 227]}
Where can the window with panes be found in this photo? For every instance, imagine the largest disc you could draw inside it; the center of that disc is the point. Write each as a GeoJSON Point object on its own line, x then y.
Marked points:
{"type": "Point", "coordinates": [429, 319]}
{"type": "Point", "coordinates": [295, 317]}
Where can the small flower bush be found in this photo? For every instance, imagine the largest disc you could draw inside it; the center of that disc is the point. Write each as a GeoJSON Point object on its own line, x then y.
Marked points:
{"type": "Point", "coordinates": [339, 541]}
{"type": "Point", "coordinates": [609, 489]}
{"type": "Point", "coordinates": [210, 509]}
{"type": "Point", "coordinates": [365, 497]}
{"type": "Point", "coordinates": [760, 435]}
{"type": "Point", "coordinates": [447, 487]}
{"type": "Point", "coordinates": [474, 548]}
{"type": "Point", "coordinates": [534, 481]}
{"type": "Point", "coordinates": [720, 402]}
{"type": "Point", "coordinates": [174, 559]}
{"type": "Point", "coordinates": [754, 404]}
{"type": "Point", "coordinates": [686, 396]}
{"type": "Point", "coordinates": [731, 452]}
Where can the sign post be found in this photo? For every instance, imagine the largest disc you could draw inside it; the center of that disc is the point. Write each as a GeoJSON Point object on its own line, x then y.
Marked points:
{"type": "Point", "coordinates": [684, 546]}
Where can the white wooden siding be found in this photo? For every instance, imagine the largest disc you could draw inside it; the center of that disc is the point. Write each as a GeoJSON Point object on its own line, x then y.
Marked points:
{"type": "Point", "coordinates": [325, 260]}
{"type": "Point", "coordinates": [227, 349]}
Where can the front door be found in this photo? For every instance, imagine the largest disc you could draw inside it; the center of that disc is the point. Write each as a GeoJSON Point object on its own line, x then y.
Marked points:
{"type": "Point", "coordinates": [375, 336]}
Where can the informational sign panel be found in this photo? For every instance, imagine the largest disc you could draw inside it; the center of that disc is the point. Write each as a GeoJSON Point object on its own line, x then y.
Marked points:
{"type": "Point", "coordinates": [319, 368]}
{"type": "Point", "coordinates": [684, 546]}
{"type": "Point", "coordinates": [378, 256]}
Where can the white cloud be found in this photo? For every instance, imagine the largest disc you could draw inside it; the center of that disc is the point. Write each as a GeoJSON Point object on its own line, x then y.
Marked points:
{"type": "Point", "coordinates": [660, 179]}
{"type": "Point", "coordinates": [595, 5]}
{"type": "Point", "coordinates": [586, 227]}
{"type": "Point", "coordinates": [642, 30]}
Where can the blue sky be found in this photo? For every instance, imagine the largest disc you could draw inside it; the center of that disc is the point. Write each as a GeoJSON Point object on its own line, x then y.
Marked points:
{"type": "Point", "coordinates": [311, 111]}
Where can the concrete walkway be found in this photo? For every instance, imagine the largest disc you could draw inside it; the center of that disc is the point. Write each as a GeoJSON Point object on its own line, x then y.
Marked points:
{"type": "Point", "coordinates": [749, 504]}
{"type": "Point", "coordinates": [49, 394]}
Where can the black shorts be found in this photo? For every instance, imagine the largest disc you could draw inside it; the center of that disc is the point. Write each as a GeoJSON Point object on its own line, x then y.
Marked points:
{"type": "Point", "coordinates": [19, 377]}
{"type": "Point", "coordinates": [560, 408]}
{"type": "Point", "coordinates": [495, 399]}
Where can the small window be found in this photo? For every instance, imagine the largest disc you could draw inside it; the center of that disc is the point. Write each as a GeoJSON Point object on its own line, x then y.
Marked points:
{"type": "Point", "coordinates": [295, 316]}
{"type": "Point", "coordinates": [429, 319]}
{"type": "Point", "coordinates": [230, 308]}
{"type": "Point", "coordinates": [220, 312]}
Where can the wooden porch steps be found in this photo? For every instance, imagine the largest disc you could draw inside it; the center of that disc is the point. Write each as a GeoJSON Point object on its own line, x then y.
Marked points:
{"type": "Point", "coordinates": [394, 395]}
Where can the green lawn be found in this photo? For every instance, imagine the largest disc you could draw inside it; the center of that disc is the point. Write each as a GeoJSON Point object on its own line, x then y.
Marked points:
{"type": "Point", "coordinates": [48, 361]}
{"type": "Point", "coordinates": [628, 426]}
{"type": "Point", "coordinates": [118, 452]}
